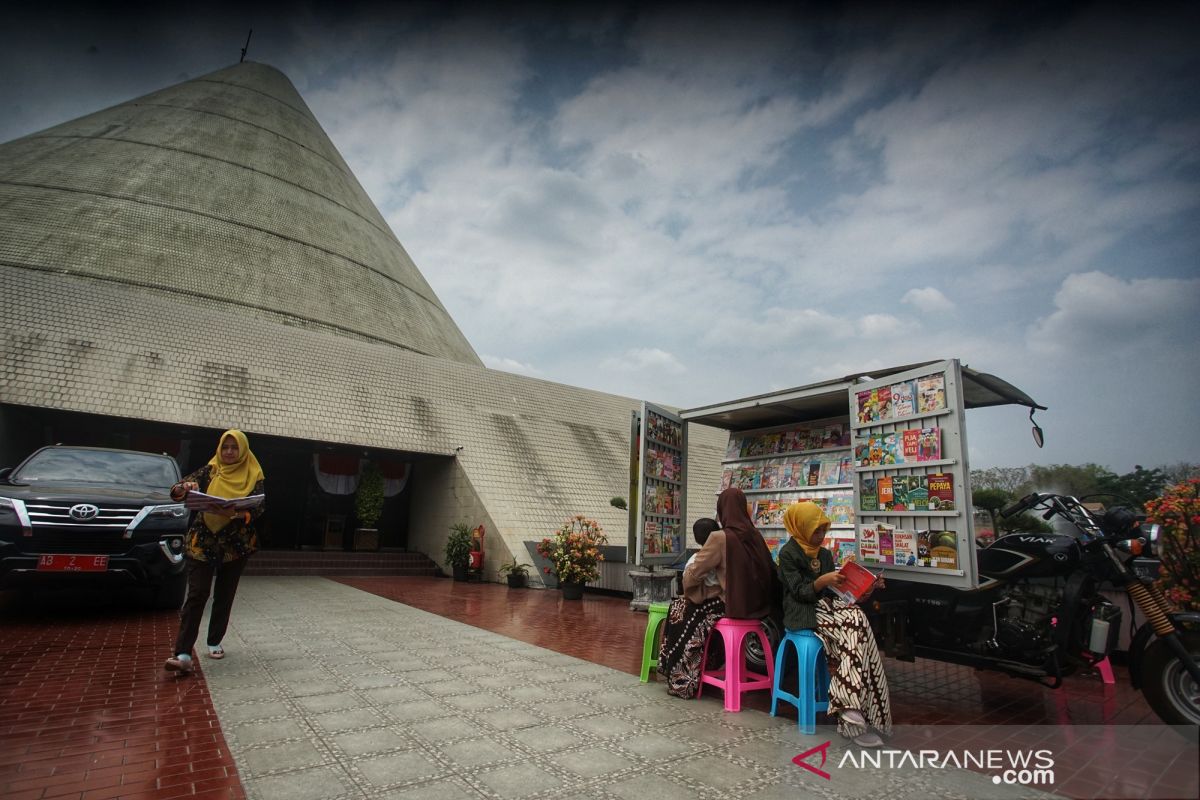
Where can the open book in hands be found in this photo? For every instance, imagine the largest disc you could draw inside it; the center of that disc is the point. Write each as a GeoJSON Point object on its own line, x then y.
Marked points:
{"type": "Point", "coordinates": [858, 581]}
{"type": "Point", "coordinates": [199, 501]}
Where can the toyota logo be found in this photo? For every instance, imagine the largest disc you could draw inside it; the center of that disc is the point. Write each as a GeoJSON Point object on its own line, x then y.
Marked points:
{"type": "Point", "coordinates": [84, 511]}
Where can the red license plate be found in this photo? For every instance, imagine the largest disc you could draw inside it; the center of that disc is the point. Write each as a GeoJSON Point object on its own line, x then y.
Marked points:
{"type": "Point", "coordinates": [61, 562]}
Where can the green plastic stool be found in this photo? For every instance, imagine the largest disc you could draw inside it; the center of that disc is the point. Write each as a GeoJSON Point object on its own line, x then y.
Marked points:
{"type": "Point", "coordinates": [657, 612]}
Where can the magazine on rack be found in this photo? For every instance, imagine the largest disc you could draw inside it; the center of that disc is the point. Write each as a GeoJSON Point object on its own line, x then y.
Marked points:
{"type": "Point", "coordinates": [859, 581]}
{"type": "Point", "coordinates": [199, 501]}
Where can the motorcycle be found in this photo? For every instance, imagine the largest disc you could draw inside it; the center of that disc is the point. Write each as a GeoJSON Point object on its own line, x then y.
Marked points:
{"type": "Point", "coordinates": [1037, 612]}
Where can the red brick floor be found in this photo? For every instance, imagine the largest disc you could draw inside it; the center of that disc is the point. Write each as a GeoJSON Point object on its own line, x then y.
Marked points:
{"type": "Point", "coordinates": [602, 630]}
{"type": "Point", "coordinates": [87, 711]}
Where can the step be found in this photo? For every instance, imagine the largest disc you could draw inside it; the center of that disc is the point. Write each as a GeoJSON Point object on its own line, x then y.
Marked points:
{"type": "Point", "coordinates": [317, 562]}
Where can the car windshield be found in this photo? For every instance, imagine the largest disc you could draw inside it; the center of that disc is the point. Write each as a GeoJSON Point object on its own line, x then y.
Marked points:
{"type": "Point", "coordinates": [102, 467]}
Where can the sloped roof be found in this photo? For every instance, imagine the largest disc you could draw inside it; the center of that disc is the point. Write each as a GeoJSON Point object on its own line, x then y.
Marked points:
{"type": "Point", "coordinates": [225, 189]}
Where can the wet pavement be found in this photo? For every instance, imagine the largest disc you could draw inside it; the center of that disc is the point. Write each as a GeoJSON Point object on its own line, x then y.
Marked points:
{"type": "Point", "coordinates": [422, 687]}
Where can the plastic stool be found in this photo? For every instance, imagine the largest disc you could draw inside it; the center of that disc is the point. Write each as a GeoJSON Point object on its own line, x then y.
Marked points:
{"type": "Point", "coordinates": [735, 677]}
{"type": "Point", "coordinates": [657, 612]}
{"type": "Point", "coordinates": [812, 692]}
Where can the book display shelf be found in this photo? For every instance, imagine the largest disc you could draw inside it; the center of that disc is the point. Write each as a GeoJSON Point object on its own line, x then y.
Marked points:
{"type": "Point", "coordinates": [781, 465]}
{"type": "Point", "coordinates": [910, 476]}
{"type": "Point", "coordinates": [661, 478]}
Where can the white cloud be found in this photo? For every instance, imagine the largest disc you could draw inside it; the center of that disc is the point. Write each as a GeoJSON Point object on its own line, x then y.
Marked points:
{"type": "Point", "coordinates": [928, 300]}
{"type": "Point", "coordinates": [1098, 316]}
{"type": "Point", "coordinates": [647, 359]}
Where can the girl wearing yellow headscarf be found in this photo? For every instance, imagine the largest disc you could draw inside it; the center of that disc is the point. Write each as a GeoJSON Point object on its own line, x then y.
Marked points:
{"type": "Point", "coordinates": [219, 544]}
{"type": "Point", "coordinates": [858, 692]}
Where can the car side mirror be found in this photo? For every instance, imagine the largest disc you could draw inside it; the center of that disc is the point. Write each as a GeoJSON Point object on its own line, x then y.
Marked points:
{"type": "Point", "coordinates": [4, 473]}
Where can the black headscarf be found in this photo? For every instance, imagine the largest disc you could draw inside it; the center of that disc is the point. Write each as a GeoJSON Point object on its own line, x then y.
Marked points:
{"type": "Point", "coordinates": [750, 576]}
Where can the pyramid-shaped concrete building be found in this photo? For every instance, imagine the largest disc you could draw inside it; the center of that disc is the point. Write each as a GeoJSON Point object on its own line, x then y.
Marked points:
{"type": "Point", "coordinates": [202, 258]}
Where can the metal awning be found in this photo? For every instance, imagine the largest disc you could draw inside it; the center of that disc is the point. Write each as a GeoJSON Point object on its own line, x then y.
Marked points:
{"type": "Point", "coordinates": [829, 399]}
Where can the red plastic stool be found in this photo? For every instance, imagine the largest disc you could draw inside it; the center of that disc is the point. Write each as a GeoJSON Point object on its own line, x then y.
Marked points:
{"type": "Point", "coordinates": [735, 677]}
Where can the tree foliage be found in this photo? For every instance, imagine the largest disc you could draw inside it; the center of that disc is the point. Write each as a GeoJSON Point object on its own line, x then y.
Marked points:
{"type": "Point", "coordinates": [991, 501]}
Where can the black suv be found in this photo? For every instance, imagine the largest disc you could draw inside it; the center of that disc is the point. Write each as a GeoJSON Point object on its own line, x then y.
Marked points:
{"type": "Point", "coordinates": [72, 514]}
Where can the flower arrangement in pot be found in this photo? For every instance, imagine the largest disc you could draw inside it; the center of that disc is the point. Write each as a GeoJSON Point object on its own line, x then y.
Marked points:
{"type": "Point", "coordinates": [516, 574]}
{"type": "Point", "coordinates": [574, 554]}
{"type": "Point", "coordinates": [1178, 514]}
{"type": "Point", "coordinates": [458, 550]}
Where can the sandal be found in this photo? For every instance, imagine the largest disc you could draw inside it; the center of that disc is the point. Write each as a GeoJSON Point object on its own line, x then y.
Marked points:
{"type": "Point", "coordinates": [216, 651]}
{"type": "Point", "coordinates": [868, 739]}
{"type": "Point", "coordinates": [181, 663]}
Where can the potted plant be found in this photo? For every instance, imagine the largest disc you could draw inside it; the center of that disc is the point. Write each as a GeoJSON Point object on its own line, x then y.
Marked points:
{"type": "Point", "coordinates": [574, 554]}
{"type": "Point", "coordinates": [517, 574]}
{"type": "Point", "coordinates": [368, 507]}
{"type": "Point", "coordinates": [458, 550]}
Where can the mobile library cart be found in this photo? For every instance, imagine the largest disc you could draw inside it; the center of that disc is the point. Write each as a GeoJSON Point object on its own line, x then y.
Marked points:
{"type": "Point", "coordinates": [884, 454]}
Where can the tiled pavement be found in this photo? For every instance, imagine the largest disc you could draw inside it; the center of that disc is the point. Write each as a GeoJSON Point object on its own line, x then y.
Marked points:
{"type": "Point", "coordinates": [330, 692]}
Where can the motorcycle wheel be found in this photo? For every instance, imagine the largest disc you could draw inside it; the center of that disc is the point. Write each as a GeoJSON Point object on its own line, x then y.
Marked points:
{"type": "Point", "coordinates": [1169, 689]}
{"type": "Point", "coordinates": [755, 659]}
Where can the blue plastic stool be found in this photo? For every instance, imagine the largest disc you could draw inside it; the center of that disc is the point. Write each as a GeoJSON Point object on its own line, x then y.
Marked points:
{"type": "Point", "coordinates": [657, 612]}
{"type": "Point", "coordinates": [812, 694]}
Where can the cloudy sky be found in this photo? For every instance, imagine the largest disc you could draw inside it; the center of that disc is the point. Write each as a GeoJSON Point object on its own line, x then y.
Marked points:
{"type": "Point", "coordinates": [692, 205]}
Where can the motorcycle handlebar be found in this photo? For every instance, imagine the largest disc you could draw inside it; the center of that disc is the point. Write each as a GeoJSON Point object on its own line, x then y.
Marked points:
{"type": "Point", "coordinates": [1021, 505]}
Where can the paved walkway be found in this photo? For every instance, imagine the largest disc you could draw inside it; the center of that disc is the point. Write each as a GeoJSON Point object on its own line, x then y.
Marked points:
{"type": "Point", "coordinates": [329, 692]}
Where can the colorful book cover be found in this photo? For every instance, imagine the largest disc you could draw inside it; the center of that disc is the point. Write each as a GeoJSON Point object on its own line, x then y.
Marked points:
{"type": "Point", "coordinates": [846, 470]}
{"type": "Point", "coordinates": [868, 495]}
{"type": "Point", "coordinates": [941, 491]}
{"type": "Point", "coordinates": [756, 477]}
{"type": "Point", "coordinates": [831, 436]}
{"type": "Point", "coordinates": [785, 476]}
{"type": "Point", "coordinates": [745, 477]}
{"type": "Point", "coordinates": [858, 582]}
{"type": "Point", "coordinates": [900, 493]}
{"type": "Point", "coordinates": [775, 544]}
{"type": "Point", "coordinates": [762, 515]}
{"type": "Point", "coordinates": [841, 511]}
{"type": "Point", "coordinates": [891, 450]}
{"type": "Point", "coordinates": [650, 538]}
{"type": "Point", "coordinates": [865, 410]}
{"type": "Point", "coordinates": [847, 550]}
{"type": "Point", "coordinates": [775, 509]}
{"type": "Point", "coordinates": [874, 405]}
{"type": "Point", "coordinates": [830, 470]}
{"type": "Point", "coordinates": [943, 549]}
{"type": "Point", "coordinates": [771, 443]}
{"type": "Point", "coordinates": [929, 444]}
{"type": "Point", "coordinates": [904, 547]}
{"type": "Point", "coordinates": [910, 445]}
{"type": "Point", "coordinates": [868, 544]}
{"type": "Point", "coordinates": [924, 558]}
{"type": "Point", "coordinates": [931, 393]}
{"type": "Point", "coordinates": [726, 478]}
{"type": "Point", "coordinates": [885, 533]}
{"type": "Point", "coordinates": [904, 402]}
{"type": "Point", "coordinates": [887, 499]}
{"type": "Point", "coordinates": [918, 493]}
{"type": "Point", "coordinates": [814, 473]}
{"type": "Point", "coordinates": [734, 448]}
{"type": "Point", "coordinates": [770, 476]}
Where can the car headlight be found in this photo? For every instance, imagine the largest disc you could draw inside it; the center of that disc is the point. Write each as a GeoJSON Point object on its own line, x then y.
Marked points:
{"type": "Point", "coordinates": [175, 510]}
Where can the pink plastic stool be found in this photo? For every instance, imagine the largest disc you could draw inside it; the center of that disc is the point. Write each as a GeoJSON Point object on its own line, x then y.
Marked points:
{"type": "Point", "coordinates": [735, 677]}
{"type": "Point", "coordinates": [1106, 672]}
